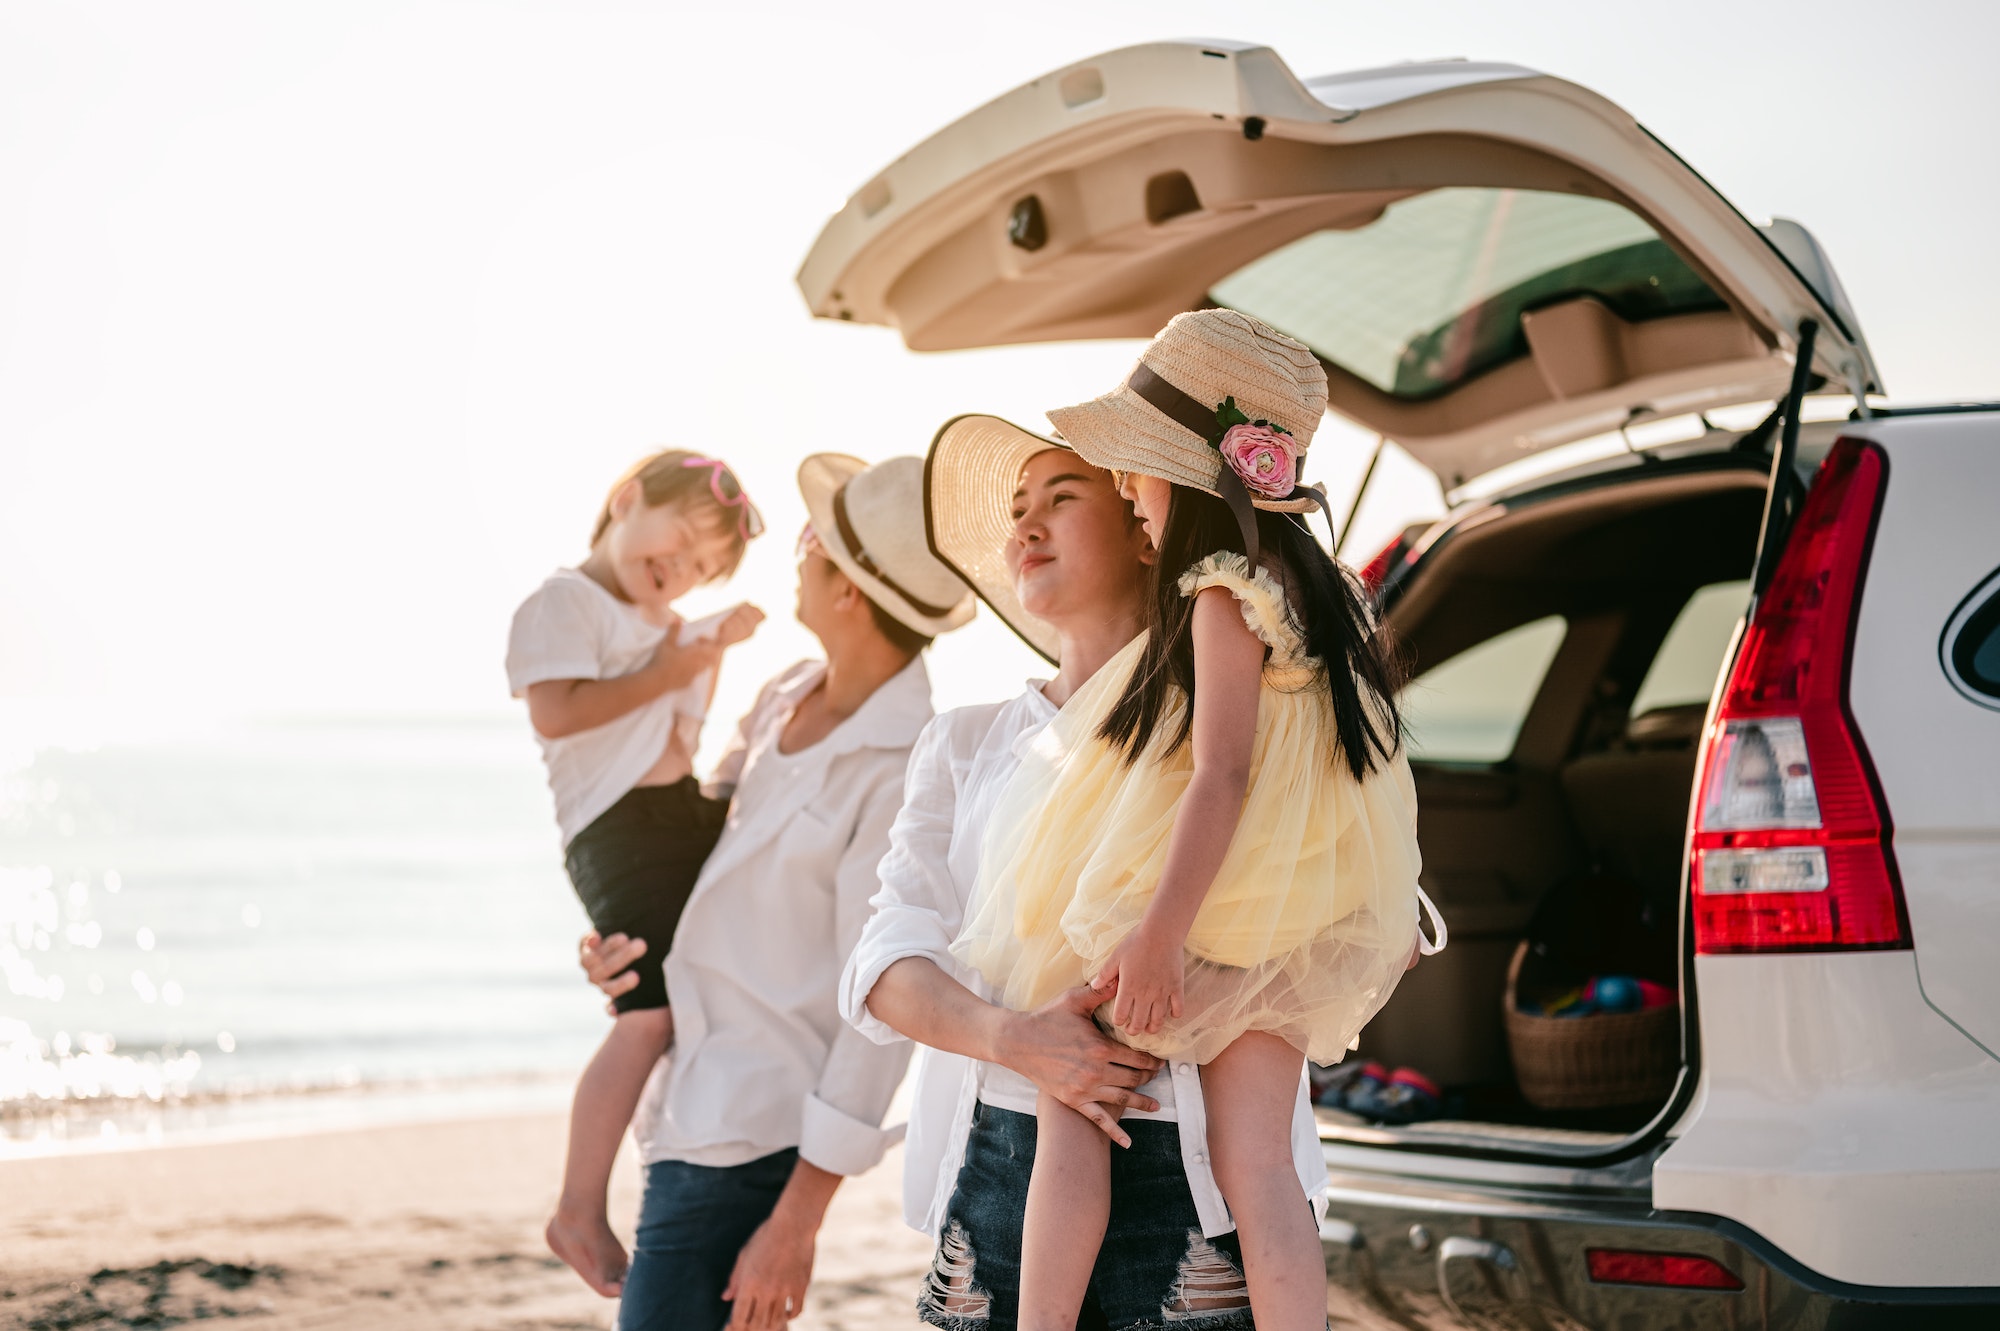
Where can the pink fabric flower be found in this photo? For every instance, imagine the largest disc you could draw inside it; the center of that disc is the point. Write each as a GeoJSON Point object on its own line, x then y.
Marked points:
{"type": "Point", "coordinates": [1263, 457]}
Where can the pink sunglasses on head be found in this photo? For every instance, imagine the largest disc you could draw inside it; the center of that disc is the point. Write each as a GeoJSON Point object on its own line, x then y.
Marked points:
{"type": "Point", "coordinates": [749, 523]}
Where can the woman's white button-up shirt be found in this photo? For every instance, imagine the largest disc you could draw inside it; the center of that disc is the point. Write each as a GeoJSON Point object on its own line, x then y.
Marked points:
{"type": "Point", "coordinates": [761, 1059]}
{"type": "Point", "coordinates": [957, 771]}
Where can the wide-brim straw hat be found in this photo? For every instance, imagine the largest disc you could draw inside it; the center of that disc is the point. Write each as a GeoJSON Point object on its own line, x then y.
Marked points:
{"type": "Point", "coordinates": [870, 522]}
{"type": "Point", "coordinates": [1162, 420]}
{"type": "Point", "coordinates": [970, 476]}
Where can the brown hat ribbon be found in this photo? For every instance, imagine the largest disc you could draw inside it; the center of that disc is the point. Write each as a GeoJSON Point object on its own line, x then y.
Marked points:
{"type": "Point", "coordinates": [1188, 413]}
{"type": "Point", "coordinates": [855, 550]}
{"type": "Point", "coordinates": [1172, 403]}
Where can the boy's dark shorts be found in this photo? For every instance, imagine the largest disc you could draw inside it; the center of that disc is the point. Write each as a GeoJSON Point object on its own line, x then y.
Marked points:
{"type": "Point", "coordinates": [634, 868]}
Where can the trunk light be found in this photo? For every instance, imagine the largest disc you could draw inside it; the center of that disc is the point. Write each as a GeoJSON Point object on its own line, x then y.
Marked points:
{"type": "Point", "coordinates": [1617, 1266]}
{"type": "Point", "coordinates": [1791, 839]}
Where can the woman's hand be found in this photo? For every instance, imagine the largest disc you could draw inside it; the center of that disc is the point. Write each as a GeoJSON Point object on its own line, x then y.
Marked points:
{"type": "Point", "coordinates": [1144, 979]}
{"type": "Point", "coordinates": [607, 963]}
{"type": "Point", "coordinates": [1060, 1049]}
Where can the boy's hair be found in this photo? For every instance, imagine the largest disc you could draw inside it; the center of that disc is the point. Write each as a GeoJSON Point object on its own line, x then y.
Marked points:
{"type": "Point", "coordinates": [666, 478]}
{"type": "Point", "coordinates": [900, 635]}
{"type": "Point", "coordinates": [1358, 666]}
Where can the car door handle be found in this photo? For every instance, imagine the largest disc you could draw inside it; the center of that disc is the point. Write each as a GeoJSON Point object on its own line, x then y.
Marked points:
{"type": "Point", "coordinates": [1461, 1248]}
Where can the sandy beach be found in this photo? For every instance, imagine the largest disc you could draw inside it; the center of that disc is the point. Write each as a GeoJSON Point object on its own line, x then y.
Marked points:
{"type": "Point", "coordinates": [433, 1225]}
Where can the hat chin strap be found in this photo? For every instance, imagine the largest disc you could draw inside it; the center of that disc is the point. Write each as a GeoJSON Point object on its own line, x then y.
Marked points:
{"type": "Point", "coordinates": [1237, 496]}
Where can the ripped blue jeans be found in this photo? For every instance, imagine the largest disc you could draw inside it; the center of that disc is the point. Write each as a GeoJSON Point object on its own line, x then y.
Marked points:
{"type": "Point", "coordinates": [1155, 1270]}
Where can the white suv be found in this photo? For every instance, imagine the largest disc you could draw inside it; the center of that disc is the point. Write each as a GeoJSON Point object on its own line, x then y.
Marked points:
{"type": "Point", "coordinates": [1739, 694]}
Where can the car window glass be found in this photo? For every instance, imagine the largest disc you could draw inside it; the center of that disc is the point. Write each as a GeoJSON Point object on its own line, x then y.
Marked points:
{"type": "Point", "coordinates": [1689, 659]}
{"type": "Point", "coordinates": [1469, 709]}
{"type": "Point", "coordinates": [1972, 644]}
{"type": "Point", "coordinates": [1431, 291]}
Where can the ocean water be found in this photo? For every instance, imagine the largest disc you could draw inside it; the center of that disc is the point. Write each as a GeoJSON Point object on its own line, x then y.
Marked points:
{"type": "Point", "coordinates": [283, 918]}
{"type": "Point", "coordinates": [265, 924]}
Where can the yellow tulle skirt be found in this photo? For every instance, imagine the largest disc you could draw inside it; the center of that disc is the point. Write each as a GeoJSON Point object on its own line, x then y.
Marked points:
{"type": "Point", "coordinates": [1308, 924]}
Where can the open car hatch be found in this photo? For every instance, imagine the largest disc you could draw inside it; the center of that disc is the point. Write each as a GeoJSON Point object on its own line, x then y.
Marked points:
{"type": "Point", "coordinates": [1489, 260]}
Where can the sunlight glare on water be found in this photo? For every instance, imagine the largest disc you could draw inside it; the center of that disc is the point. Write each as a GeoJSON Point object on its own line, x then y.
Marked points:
{"type": "Point", "coordinates": [282, 906]}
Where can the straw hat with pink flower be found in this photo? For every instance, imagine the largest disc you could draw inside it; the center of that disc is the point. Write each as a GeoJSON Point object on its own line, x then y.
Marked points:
{"type": "Point", "coordinates": [1218, 402]}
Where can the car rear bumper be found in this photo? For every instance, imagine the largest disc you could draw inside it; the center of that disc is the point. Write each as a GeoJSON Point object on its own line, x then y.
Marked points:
{"type": "Point", "coordinates": [1849, 1124]}
{"type": "Point", "coordinates": [1403, 1255]}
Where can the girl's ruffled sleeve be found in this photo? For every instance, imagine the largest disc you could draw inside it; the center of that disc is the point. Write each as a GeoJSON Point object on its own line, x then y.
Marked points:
{"type": "Point", "coordinates": [1258, 596]}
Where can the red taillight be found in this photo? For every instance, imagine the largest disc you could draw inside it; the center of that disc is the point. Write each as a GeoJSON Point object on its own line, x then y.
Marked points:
{"type": "Point", "coordinates": [1617, 1266]}
{"type": "Point", "coordinates": [1376, 571]}
{"type": "Point", "coordinates": [1791, 837]}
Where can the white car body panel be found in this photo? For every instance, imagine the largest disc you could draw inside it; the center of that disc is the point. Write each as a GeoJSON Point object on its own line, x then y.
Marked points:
{"type": "Point", "coordinates": [1849, 1101]}
{"type": "Point", "coordinates": [1842, 1119]}
{"type": "Point", "coordinates": [1936, 751]}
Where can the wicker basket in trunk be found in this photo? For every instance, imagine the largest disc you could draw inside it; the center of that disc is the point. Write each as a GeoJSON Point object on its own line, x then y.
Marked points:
{"type": "Point", "coordinates": [1595, 1062]}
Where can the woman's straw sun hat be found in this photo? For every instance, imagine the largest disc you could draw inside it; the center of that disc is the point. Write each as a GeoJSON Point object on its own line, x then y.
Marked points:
{"type": "Point", "coordinates": [970, 476]}
{"type": "Point", "coordinates": [870, 522]}
{"type": "Point", "coordinates": [1204, 371]}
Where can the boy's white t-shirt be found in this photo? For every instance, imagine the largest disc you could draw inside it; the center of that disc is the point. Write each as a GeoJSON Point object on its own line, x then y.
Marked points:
{"type": "Point", "coordinates": [572, 628]}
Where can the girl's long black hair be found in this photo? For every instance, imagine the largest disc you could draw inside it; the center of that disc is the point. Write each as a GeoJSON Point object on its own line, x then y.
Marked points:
{"type": "Point", "coordinates": [1358, 665]}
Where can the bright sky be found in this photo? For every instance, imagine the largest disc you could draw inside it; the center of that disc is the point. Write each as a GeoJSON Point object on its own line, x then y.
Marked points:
{"type": "Point", "coordinates": [324, 326]}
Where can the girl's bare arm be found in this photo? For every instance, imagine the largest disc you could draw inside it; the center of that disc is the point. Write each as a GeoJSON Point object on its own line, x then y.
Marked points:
{"type": "Point", "coordinates": [1229, 669]}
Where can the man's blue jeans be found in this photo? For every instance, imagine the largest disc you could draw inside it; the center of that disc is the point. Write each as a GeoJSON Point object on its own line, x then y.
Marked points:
{"type": "Point", "coordinates": [693, 1221]}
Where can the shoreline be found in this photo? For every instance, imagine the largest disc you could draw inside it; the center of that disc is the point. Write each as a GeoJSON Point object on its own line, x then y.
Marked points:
{"type": "Point", "coordinates": [433, 1224]}
{"type": "Point", "coordinates": [37, 1130]}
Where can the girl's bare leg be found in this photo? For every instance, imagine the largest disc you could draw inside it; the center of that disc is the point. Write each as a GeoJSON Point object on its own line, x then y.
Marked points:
{"type": "Point", "coordinates": [1069, 1204]}
{"type": "Point", "coordinates": [606, 1094]}
{"type": "Point", "coordinates": [1251, 1090]}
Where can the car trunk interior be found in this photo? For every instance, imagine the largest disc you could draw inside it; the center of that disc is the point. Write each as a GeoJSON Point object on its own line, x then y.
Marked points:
{"type": "Point", "coordinates": [1563, 647]}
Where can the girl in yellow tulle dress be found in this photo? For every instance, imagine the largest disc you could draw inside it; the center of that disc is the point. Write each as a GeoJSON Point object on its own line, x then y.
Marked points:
{"type": "Point", "coordinates": [1218, 830]}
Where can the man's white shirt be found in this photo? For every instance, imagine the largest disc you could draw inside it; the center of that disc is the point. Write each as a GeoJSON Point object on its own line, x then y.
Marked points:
{"type": "Point", "coordinates": [960, 765]}
{"type": "Point", "coordinates": [761, 1060]}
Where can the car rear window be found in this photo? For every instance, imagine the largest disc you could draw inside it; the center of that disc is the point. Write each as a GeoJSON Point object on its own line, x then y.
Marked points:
{"type": "Point", "coordinates": [1430, 293]}
{"type": "Point", "coordinates": [1690, 657]}
{"type": "Point", "coordinates": [1469, 709]}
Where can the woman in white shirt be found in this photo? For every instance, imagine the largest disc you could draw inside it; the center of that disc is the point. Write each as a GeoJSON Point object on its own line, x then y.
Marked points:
{"type": "Point", "coordinates": [767, 1098]}
{"type": "Point", "coordinates": [1048, 543]}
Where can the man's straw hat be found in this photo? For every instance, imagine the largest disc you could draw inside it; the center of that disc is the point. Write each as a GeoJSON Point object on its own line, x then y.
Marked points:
{"type": "Point", "coordinates": [970, 477]}
{"type": "Point", "coordinates": [870, 522]}
{"type": "Point", "coordinates": [1162, 420]}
